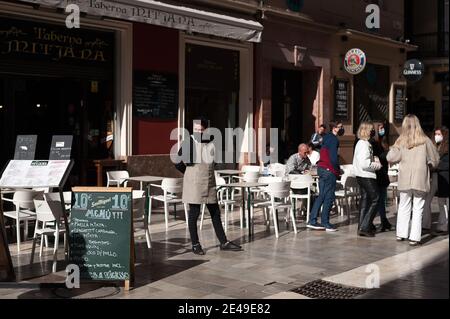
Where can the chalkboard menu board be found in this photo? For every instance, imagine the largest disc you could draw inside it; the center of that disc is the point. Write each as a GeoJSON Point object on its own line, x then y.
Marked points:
{"type": "Point", "coordinates": [100, 233]}
{"type": "Point", "coordinates": [61, 147]}
{"type": "Point", "coordinates": [399, 103]}
{"type": "Point", "coordinates": [155, 95]}
{"type": "Point", "coordinates": [341, 99]}
{"type": "Point", "coordinates": [25, 147]}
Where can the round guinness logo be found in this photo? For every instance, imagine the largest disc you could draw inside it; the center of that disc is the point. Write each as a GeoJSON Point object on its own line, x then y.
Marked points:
{"type": "Point", "coordinates": [355, 61]}
{"type": "Point", "coordinates": [413, 70]}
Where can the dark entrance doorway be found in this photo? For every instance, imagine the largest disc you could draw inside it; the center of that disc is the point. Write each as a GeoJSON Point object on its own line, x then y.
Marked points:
{"type": "Point", "coordinates": [48, 106]}
{"type": "Point", "coordinates": [286, 110]}
{"type": "Point", "coordinates": [212, 87]}
{"type": "Point", "coordinates": [57, 81]}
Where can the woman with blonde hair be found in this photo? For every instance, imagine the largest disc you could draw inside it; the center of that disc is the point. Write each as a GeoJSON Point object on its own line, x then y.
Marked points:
{"type": "Point", "coordinates": [364, 167]}
{"type": "Point", "coordinates": [416, 154]}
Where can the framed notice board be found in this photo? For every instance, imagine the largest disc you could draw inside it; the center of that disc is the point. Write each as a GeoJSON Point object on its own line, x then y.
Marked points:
{"type": "Point", "coordinates": [399, 102]}
{"type": "Point", "coordinates": [341, 94]}
{"type": "Point", "coordinates": [101, 235]}
{"type": "Point", "coordinates": [25, 147]}
{"type": "Point", "coordinates": [155, 95]}
{"type": "Point", "coordinates": [29, 174]}
{"type": "Point", "coordinates": [61, 147]}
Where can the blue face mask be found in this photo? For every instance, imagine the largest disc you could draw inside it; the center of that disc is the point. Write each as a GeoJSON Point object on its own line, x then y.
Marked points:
{"type": "Point", "coordinates": [381, 133]}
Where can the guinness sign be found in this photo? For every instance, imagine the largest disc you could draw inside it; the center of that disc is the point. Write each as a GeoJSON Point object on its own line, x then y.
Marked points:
{"type": "Point", "coordinates": [413, 70]}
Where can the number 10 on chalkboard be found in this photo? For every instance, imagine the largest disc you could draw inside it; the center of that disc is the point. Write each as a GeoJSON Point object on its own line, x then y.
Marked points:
{"type": "Point", "coordinates": [123, 202]}
{"type": "Point", "coordinates": [119, 202]}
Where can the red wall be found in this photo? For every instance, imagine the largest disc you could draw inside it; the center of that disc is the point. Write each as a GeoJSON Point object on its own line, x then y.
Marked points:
{"type": "Point", "coordinates": [154, 49]}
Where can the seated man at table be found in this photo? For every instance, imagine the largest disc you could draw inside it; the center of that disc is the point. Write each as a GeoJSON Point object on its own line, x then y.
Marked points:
{"type": "Point", "coordinates": [299, 163]}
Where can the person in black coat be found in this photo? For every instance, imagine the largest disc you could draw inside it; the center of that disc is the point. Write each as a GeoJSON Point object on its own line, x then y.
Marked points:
{"type": "Point", "coordinates": [441, 140]}
{"type": "Point", "coordinates": [380, 149]}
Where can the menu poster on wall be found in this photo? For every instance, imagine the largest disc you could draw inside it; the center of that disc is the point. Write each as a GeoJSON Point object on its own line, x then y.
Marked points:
{"type": "Point", "coordinates": [399, 103]}
{"type": "Point", "coordinates": [29, 174]}
{"type": "Point", "coordinates": [341, 99]}
{"type": "Point", "coordinates": [155, 95]}
{"type": "Point", "coordinates": [25, 147]}
{"type": "Point", "coordinates": [61, 147]}
{"type": "Point", "coordinates": [100, 233]}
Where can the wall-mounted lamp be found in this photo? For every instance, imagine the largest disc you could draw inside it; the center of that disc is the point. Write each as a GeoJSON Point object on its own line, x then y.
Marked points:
{"type": "Point", "coordinates": [38, 105]}
{"type": "Point", "coordinates": [261, 8]}
{"type": "Point", "coordinates": [1, 106]}
{"type": "Point", "coordinates": [299, 55]}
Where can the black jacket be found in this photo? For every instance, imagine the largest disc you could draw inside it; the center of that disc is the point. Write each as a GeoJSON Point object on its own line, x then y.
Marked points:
{"type": "Point", "coordinates": [186, 153]}
{"type": "Point", "coordinates": [382, 174]}
{"type": "Point", "coordinates": [442, 171]}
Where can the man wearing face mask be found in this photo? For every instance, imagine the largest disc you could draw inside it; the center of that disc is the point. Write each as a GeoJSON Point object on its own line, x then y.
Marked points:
{"type": "Point", "coordinates": [199, 185]}
{"type": "Point", "coordinates": [328, 169]}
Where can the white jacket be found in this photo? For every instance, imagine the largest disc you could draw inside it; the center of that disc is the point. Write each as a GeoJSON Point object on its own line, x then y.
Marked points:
{"type": "Point", "coordinates": [363, 160]}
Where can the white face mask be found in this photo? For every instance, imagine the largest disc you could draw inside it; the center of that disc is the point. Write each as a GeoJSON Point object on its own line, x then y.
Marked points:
{"type": "Point", "coordinates": [438, 139]}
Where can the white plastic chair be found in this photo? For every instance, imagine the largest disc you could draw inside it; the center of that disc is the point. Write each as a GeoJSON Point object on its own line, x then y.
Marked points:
{"type": "Point", "coordinates": [349, 191]}
{"type": "Point", "coordinates": [139, 215]}
{"type": "Point", "coordinates": [281, 191]}
{"type": "Point", "coordinates": [48, 212]}
{"type": "Point", "coordinates": [67, 197]}
{"type": "Point", "coordinates": [226, 202]}
{"type": "Point", "coordinates": [117, 178]}
{"type": "Point", "coordinates": [24, 206]}
{"type": "Point", "coordinates": [251, 168]}
{"type": "Point", "coordinates": [277, 169]}
{"type": "Point", "coordinates": [172, 189]}
{"type": "Point", "coordinates": [302, 182]}
{"type": "Point", "coordinates": [347, 168]}
{"type": "Point", "coordinates": [393, 185]}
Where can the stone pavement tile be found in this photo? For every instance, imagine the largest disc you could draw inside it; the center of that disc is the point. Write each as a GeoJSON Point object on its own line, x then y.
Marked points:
{"type": "Point", "coordinates": [215, 296]}
{"type": "Point", "coordinates": [286, 295]}
{"type": "Point", "coordinates": [244, 265]}
{"type": "Point", "coordinates": [430, 282]}
{"type": "Point", "coordinates": [206, 286]}
{"type": "Point", "coordinates": [396, 266]}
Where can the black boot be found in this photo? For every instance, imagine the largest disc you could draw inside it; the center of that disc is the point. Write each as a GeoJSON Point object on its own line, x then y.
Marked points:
{"type": "Point", "coordinates": [229, 245]}
{"type": "Point", "coordinates": [385, 226]}
{"type": "Point", "coordinates": [197, 249]}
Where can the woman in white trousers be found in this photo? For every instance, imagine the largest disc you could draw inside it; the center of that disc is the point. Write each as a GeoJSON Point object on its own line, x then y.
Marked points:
{"type": "Point", "coordinates": [415, 154]}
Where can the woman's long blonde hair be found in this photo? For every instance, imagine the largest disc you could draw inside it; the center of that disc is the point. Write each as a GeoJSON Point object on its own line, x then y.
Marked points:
{"type": "Point", "coordinates": [364, 130]}
{"type": "Point", "coordinates": [412, 134]}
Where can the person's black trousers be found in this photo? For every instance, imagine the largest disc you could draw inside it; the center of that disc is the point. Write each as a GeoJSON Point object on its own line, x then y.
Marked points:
{"type": "Point", "coordinates": [368, 203]}
{"type": "Point", "coordinates": [214, 211]}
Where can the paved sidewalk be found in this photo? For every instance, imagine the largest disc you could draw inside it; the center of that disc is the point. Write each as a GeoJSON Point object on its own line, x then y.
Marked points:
{"type": "Point", "coordinates": [267, 268]}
